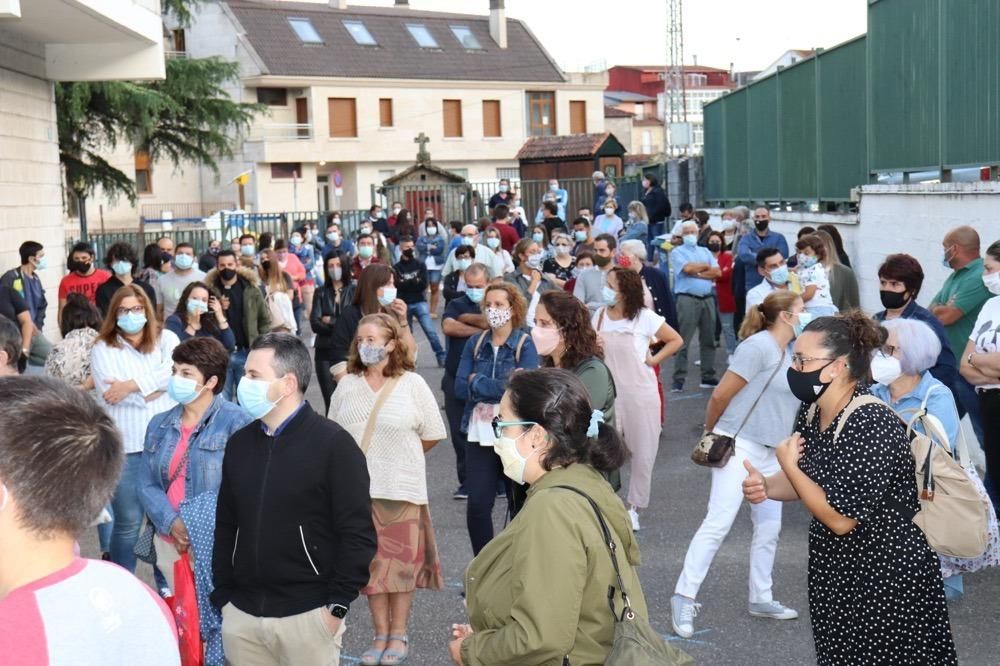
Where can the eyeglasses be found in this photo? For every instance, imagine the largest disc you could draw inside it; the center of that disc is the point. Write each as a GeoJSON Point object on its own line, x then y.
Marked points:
{"type": "Point", "coordinates": [137, 310]}
{"type": "Point", "coordinates": [889, 350]}
{"type": "Point", "coordinates": [499, 425]}
{"type": "Point", "coordinates": [799, 361]}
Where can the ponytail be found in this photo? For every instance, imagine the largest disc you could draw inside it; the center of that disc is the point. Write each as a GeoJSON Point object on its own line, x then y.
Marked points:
{"type": "Point", "coordinates": [853, 334]}
{"type": "Point", "coordinates": [608, 452]}
{"type": "Point", "coordinates": [764, 316]}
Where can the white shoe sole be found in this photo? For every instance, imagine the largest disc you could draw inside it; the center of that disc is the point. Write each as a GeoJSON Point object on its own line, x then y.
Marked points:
{"type": "Point", "coordinates": [771, 616]}
{"type": "Point", "coordinates": [682, 634]}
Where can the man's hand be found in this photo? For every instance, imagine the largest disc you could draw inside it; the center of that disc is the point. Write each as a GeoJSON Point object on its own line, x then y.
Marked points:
{"type": "Point", "coordinates": [332, 623]}
{"type": "Point", "coordinates": [179, 533]}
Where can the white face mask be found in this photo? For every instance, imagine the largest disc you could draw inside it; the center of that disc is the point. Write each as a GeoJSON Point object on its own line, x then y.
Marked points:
{"type": "Point", "coordinates": [885, 369]}
{"type": "Point", "coordinates": [992, 282]}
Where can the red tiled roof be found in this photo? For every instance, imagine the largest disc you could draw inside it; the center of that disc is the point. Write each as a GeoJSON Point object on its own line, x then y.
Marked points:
{"type": "Point", "coordinates": [563, 147]}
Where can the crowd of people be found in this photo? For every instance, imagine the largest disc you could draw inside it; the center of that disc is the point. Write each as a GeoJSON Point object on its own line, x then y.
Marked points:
{"type": "Point", "coordinates": [174, 422]}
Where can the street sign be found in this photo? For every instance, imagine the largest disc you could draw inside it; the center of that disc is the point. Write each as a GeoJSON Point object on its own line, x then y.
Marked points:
{"type": "Point", "coordinates": [338, 191]}
{"type": "Point", "coordinates": [338, 179]}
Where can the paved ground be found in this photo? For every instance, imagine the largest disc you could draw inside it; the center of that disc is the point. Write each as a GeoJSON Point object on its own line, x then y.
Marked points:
{"type": "Point", "coordinates": [725, 633]}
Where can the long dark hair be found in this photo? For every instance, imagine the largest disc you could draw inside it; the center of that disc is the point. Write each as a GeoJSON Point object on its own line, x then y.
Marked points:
{"type": "Point", "coordinates": [630, 289]}
{"type": "Point", "coordinates": [208, 321]}
{"type": "Point", "coordinates": [573, 319]}
{"type": "Point", "coordinates": [78, 313]}
{"type": "Point", "coordinates": [345, 270]}
{"type": "Point", "coordinates": [558, 401]}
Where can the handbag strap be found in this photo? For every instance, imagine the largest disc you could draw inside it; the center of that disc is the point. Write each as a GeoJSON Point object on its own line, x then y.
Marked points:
{"type": "Point", "coordinates": [182, 465]}
{"type": "Point", "coordinates": [763, 391]}
{"type": "Point", "coordinates": [609, 541]}
{"type": "Point", "coordinates": [383, 395]}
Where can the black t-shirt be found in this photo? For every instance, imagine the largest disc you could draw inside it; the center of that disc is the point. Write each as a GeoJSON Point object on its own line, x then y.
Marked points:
{"type": "Point", "coordinates": [456, 344]}
{"type": "Point", "coordinates": [106, 292]}
{"type": "Point", "coordinates": [11, 304]}
{"type": "Point", "coordinates": [411, 280]}
{"type": "Point", "coordinates": [553, 223]}
{"type": "Point", "coordinates": [234, 314]}
{"type": "Point", "coordinates": [553, 267]}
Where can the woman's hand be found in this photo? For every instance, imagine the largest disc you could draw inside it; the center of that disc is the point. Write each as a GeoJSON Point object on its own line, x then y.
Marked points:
{"type": "Point", "coordinates": [118, 390]}
{"type": "Point", "coordinates": [216, 307]}
{"type": "Point", "coordinates": [536, 279]}
{"type": "Point", "coordinates": [455, 647]}
{"type": "Point", "coordinates": [650, 359]}
{"type": "Point", "coordinates": [755, 485]}
{"type": "Point", "coordinates": [790, 450]}
{"type": "Point", "coordinates": [399, 309]}
{"type": "Point", "coordinates": [179, 533]}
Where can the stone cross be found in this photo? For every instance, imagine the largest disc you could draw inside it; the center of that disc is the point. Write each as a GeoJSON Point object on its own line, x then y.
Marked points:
{"type": "Point", "coordinates": [422, 155]}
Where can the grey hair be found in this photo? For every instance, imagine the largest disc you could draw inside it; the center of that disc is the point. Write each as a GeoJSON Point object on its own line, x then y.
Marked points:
{"type": "Point", "coordinates": [689, 223]}
{"type": "Point", "coordinates": [290, 355]}
{"type": "Point", "coordinates": [476, 269]}
{"type": "Point", "coordinates": [919, 346]}
{"type": "Point", "coordinates": [635, 247]}
{"type": "Point", "coordinates": [639, 209]}
{"type": "Point", "coordinates": [742, 211]}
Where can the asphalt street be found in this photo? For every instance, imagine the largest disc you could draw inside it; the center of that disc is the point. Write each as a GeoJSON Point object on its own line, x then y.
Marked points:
{"type": "Point", "coordinates": [724, 632]}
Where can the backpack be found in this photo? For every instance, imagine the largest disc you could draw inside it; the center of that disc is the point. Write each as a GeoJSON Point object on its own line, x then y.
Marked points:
{"type": "Point", "coordinates": [517, 348]}
{"type": "Point", "coordinates": [952, 514]}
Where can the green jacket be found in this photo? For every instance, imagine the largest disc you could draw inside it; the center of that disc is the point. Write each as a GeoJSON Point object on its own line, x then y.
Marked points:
{"type": "Point", "coordinates": [256, 317]}
{"type": "Point", "coordinates": [538, 593]}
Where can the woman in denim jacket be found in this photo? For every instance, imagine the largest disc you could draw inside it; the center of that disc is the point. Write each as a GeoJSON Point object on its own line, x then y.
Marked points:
{"type": "Point", "coordinates": [488, 361]}
{"type": "Point", "coordinates": [430, 246]}
{"type": "Point", "coordinates": [195, 433]}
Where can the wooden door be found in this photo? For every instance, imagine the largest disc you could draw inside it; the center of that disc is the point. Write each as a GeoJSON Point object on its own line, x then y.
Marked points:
{"type": "Point", "coordinates": [417, 201]}
{"type": "Point", "coordinates": [302, 117]}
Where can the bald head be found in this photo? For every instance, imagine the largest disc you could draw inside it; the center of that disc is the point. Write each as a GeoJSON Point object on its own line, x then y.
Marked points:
{"type": "Point", "coordinates": [961, 246]}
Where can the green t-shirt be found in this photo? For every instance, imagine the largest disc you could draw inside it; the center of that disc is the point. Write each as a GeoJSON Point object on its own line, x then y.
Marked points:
{"type": "Point", "coordinates": [964, 289]}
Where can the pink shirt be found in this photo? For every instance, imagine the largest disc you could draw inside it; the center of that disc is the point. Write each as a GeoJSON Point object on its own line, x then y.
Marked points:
{"type": "Point", "coordinates": [90, 612]}
{"type": "Point", "coordinates": [175, 493]}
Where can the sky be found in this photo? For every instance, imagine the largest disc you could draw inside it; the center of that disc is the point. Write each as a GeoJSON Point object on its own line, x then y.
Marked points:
{"type": "Point", "coordinates": [748, 33]}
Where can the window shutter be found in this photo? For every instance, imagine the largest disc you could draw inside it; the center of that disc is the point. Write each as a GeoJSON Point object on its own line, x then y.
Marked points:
{"type": "Point", "coordinates": [453, 118]}
{"type": "Point", "coordinates": [578, 117]}
{"type": "Point", "coordinates": [491, 118]}
{"type": "Point", "coordinates": [343, 117]}
{"type": "Point", "coordinates": [385, 112]}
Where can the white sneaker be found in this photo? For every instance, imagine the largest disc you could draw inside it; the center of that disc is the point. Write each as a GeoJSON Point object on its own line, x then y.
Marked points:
{"type": "Point", "coordinates": [682, 614]}
{"type": "Point", "coordinates": [633, 515]}
{"type": "Point", "coordinates": [774, 611]}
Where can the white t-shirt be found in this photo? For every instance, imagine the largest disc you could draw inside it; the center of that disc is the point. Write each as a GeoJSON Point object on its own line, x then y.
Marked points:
{"type": "Point", "coordinates": [643, 328]}
{"type": "Point", "coordinates": [986, 333]}
{"type": "Point", "coordinates": [757, 295]}
{"type": "Point", "coordinates": [816, 276]}
{"type": "Point", "coordinates": [172, 285]}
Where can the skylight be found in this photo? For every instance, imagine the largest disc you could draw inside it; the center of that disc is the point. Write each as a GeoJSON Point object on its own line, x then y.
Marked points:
{"type": "Point", "coordinates": [465, 37]}
{"type": "Point", "coordinates": [303, 27]}
{"type": "Point", "coordinates": [422, 35]}
{"type": "Point", "coordinates": [360, 33]}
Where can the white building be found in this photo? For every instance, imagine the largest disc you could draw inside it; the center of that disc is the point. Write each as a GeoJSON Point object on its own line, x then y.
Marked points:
{"type": "Point", "coordinates": [786, 59]}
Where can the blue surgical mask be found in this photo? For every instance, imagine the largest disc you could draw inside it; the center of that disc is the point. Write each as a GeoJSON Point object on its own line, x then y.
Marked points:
{"type": "Point", "coordinates": [468, 240]}
{"type": "Point", "coordinates": [779, 275]}
{"type": "Point", "coordinates": [247, 250]}
{"type": "Point", "coordinates": [475, 294]}
{"type": "Point", "coordinates": [196, 307]}
{"type": "Point", "coordinates": [183, 261]}
{"type": "Point", "coordinates": [122, 267]}
{"type": "Point", "coordinates": [580, 236]}
{"type": "Point", "coordinates": [295, 240]}
{"type": "Point", "coordinates": [494, 243]}
{"type": "Point", "coordinates": [609, 295]}
{"type": "Point", "coordinates": [132, 323]}
{"type": "Point", "coordinates": [944, 259]}
{"type": "Point", "coordinates": [805, 318]}
{"type": "Point", "coordinates": [463, 264]}
{"type": "Point", "coordinates": [387, 297]}
{"type": "Point", "coordinates": [503, 188]}
{"type": "Point", "coordinates": [538, 237]}
{"type": "Point", "coordinates": [183, 390]}
{"type": "Point", "coordinates": [691, 240]}
{"type": "Point", "coordinates": [43, 263]}
{"type": "Point", "coordinates": [252, 394]}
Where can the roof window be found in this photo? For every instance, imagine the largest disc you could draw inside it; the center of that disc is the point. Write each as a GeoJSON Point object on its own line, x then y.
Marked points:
{"type": "Point", "coordinates": [360, 33]}
{"type": "Point", "coordinates": [465, 37]}
{"type": "Point", "coordinates": [422, 35]}
{"type": "Point", "coordinates": [303, 27]}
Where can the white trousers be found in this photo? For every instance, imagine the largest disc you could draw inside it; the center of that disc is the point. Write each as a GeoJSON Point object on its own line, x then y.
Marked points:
{"type": "Point", "coordinates": [724, 503]}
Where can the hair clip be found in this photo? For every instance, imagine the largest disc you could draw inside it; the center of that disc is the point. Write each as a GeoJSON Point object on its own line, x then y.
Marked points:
{"type": "Point", "coordinates": [596, 418]}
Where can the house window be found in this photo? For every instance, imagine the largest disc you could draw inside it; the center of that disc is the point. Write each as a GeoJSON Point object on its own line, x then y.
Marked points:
{"type": "Point", "coordinates": [640, 111]}
{"type": "Point", "coordinates": [465, 37]}
{"type": "Point", "coordinates": [578, 117]}
{"type": "Point", "coordinates": [143, 173]}
{"type": "Point", "coordinates": [491, 118]}
{"type": "Point", "coordinates": [647, 142]}
{"type": "Point", "coordinates": [541, 113]}
{"type": "Point", "coordinates": [510, 173]}
{"type": "Point", "coordinates": [343, 117]}
{"type": "Point", "coordinates": [272, 96]}
{"type": "Point", "coordinates": [305, 31]}
{"type": "Point", "coordinates": [422, 36]}
{"type": "Point", "coordinates": [453, 118]}
{"type": "Point", "coordinates": [385, 112]}
{"type": "Point", "coordinates": [180, 43]}
{"type": "Point", "coordinates": [286, 170]}
{"type": "Point", "coordinates": [360, 33]}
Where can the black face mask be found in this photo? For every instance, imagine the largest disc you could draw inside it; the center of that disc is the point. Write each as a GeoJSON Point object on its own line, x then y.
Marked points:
{"type": "Point", "coordinates": [893, 300]}
{"type": "Point", "coordinates": [600, 261]}
{"type": "Point", "coordinates": [227, 274]}
{"type": "Point", "coordinates": [714, 247]}
{"type": "Point", "coordinates": [408, 254]}
{"type": "Point", "coordinates": [81, 267]}
{"type": "Point", "coordinates": [761, 224]}
{"type": "Point", "coordinates": [266, 265]}
{"type": "Point", "coordinates": [806, 386]}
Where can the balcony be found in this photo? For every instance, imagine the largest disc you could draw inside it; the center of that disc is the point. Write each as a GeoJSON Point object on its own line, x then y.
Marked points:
{"type": "Point", "coordinates": [281, 132]}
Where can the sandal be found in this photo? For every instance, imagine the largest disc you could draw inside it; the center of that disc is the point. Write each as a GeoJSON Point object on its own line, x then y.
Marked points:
{"type": "Point", "coordinates": [395, 657]}
{"type": "Point", "coordinates": [373, 657]}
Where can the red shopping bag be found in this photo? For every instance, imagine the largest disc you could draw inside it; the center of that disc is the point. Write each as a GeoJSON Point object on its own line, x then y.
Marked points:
{"type": "Point", "coordinates": [184, 605]}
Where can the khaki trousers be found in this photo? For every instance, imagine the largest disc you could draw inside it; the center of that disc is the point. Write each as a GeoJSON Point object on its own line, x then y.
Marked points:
{"type": "Point", "coordinates": [297, 640]}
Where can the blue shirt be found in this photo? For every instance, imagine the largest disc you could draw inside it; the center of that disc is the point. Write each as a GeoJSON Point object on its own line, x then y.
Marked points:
{"type": "Point", "coordinates": [681, 256]}
{"type": "Point", "coordinates": [941, 404]}
{"type": "Point", "coordinates": [456, 344]}
{"type": "Point", "coordinates": [749, 246]}
{"type": "Point", "coordinates": [284, 424]}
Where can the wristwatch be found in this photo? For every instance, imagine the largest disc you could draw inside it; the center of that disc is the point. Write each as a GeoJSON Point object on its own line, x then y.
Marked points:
{"type": "Point", "coordinates": [339, 611]}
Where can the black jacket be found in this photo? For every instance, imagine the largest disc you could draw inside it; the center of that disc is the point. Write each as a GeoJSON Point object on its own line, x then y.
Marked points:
{"type": "Point", "coordinates": [325, 305]}
{"type": "Point", "coordinates": [657, 204]}
{"type": "Point", "coordinates": [411, 280]}
{"type": "Point", "coordinates": [659, 289]}
{"type": "Point", "coordinates": [293, 527]}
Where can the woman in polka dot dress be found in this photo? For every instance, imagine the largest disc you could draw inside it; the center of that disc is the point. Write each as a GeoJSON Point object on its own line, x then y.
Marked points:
{"type": "Point", "coordinates": [875, 591]}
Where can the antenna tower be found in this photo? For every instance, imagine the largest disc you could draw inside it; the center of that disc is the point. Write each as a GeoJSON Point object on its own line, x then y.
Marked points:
{"type": "Point", "coordinates": [675, 107]}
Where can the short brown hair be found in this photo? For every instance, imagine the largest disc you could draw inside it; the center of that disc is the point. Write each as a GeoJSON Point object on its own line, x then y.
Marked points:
{"type": "Point", "coordinates": [109, 330]}
{"type": "Point", "coordinates": [903, 268]}
{"type": "Point", "coordinates": [813, 242]}
{"type": "Point", "coordinates": [400, 360]}
{"type": "Point", "coordinates": [208, 355]}
{"type": "Point", "coordinates": [630, 288]}
{"type": "Point", "coordinates": [518, 306]}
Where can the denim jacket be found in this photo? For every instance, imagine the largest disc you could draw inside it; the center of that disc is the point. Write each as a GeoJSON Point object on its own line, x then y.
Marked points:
{"type": "Point", "coordinates": [491, 377]}
{"type": "Point", "coordinates": [204, 471]}
{"type": "Point", "coordinates": [431, 246]}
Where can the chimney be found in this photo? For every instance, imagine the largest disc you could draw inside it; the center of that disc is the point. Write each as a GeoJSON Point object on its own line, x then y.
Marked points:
{"type": "Point", "coordinates": [338, 4]}
{"type": "Point", "coordinates": [498, 23]}
{"type": "Point", "coordinates": [403, 3]}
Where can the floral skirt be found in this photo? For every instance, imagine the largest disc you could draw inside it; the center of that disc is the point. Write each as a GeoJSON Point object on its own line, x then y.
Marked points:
{"type": "Point", "coordinates": [407, 556]}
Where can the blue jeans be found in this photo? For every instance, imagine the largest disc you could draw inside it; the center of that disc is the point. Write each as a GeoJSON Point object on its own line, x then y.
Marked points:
{"type": "Point", "coordinates": [128, 513]}
{"type": "Point", "coordinates": [237, 363]}
{"type": "Point", "coordinates": [483, 474]}
{"type": "Point", "coordinates": [104, 532]}
{"type": "Point", "coordinates": [422, 312]}
{"type": "Point", "coordinates": [728, 332]}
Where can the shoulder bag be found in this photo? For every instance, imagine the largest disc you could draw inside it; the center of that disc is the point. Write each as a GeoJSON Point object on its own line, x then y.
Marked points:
{"type": "Point", "coordinates": [383, 395]}
{"type": "Point", "coordinates": [714, 450]}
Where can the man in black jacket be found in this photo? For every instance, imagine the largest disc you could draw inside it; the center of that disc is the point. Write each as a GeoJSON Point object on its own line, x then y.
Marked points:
{"type": "Point", "coordinates": [411, 281]}
{"type": "Point", "coordinates": [293, 533]}
{"type": "Point", "coordinates": [655, 200]}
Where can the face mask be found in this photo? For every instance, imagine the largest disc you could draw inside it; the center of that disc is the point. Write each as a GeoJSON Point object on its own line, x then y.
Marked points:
{"type": "Point", "coordinates": [497, 317]}
{"type": "Point", "coordinates": [609, 211]}
{"type": "Point", "coordinates": [553, 187]}
{"type": "Point", "coordinates": [513, 462]}
{"type": "Point", "coordinates": [729, 239]}
{"type": "Point", "coordinates": [562, 250]}
{"type": "Point", "coordinates": [538, 237]}
{"type": "Point", "coordinates": [690, 239]}
{"type": "Point", "coordinates": [806, 386]}
{"type": "Point", "coordinates": [246, 250]}
{"type": "Point", "coordinates": [600, 261]}
{"type": "Point", "coordinates": [366, 228]}
{"type": "Point", "coordinates": [42, 264]}
{"type": "Point", "coordinates": [387, 297]}
{"type": "Point", "coordinates": [395, 211]}
{"type": "Point", "coordinates": [625, 261]}
{"type": "Point", "coordinates": [494, 243]}
{"type": "Point", "coordinates": [609, 295]}
{"type": "Point", "coordinates": [992, 282]}
{"type": "Point", "coordinates": [432, 231]}
{"type": "Point", "coordinates": [468, 241]}
{"type": "Point", "coordinates": [632, 217]}
{"type": "Point", "coordinates": [82, 267]}
{"type": "Point", "coordinates": [761, 225]}
{"type": "Point", "coordinates": [372, 354]}
{"type": "Point", "coordinates": [807, 261]}
{"type": "Point", "coordinates": [715, 247]}
{"type": "Point", "coordinates": [295, 240]}
{"type": "Point", "coordinates": [609, 192]}
{"type": "Point", "coordinates": [252, 394]}
{"type": "Point", "coordinates": [408, 254]}
{"type": "Point", "coordinates": [132, 323]}
{"type": "Point", "coordinates": [534, 261]}
{"type": "Point", "coordinates": [463, 264]}
{"type": "Point", "coordinates": [337, 273]}
{"type": "Point", "coordinates": [122, 267]}
{"type": "Point", "coordinates": [197, 307]}
{"type": "Point", "coordinates": [805, 318]}
{"type": "Point", "coordinates": [580, 236]}
{"type": "Point", "coordinates": [333, 236]}
{"type": "Point", "coordinates": [183, 261]}
{"type": "Point", "coordinates": [885, 369]}
{"type": "Point", "coordinates": [214, 251]}
{"type": "Point", "coordinates": [944, 258]}
{"type": "Point", "coordinates": [365, 251]}
{"type": "Point", "coordinates": [893, 300]}
{"type": "Point", "coordinates": [546, 339]}
{"type": "Point", "coordinates": [503, 189]}
{"type": "Point", "coordinates": [779, 275]}
{"type": "Point", "coordinates": [227, 274]}
{"type": "Point", "coordinates": [266, 265]}
{"type": "Point", "coordinates": [183, 390]}
{"type": "Point", "coordinates": [475, 294]}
